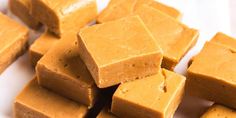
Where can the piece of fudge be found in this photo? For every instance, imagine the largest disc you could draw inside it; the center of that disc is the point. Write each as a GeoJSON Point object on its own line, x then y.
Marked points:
{"type": "Point", "coordinates": [105, 113]}
{"type": "Point", "coordinates": [41, 46]}
{"type": "Point", "coordinates": [35, 101]}
{"type": "Point", "coordinates": [156, 96]}
{"type": "Point", "coordinates": [62, 71]}
{"type": "Point", "coordinates": [224, 40]}
{"type": "Point", "coordinates": [63, 15]}
{"type": "Point", "coordinates": [212, 73]}
{"type": "Point", "coordinates": [117, 9]}
{"type": "Point", "coordinates": [13, 41]}
{"type": "Point", "coordinates": [219, 111]}
{"type": "Point", "coordinates": [21, 8]}
{"type": "Point", "coordinates": [119, 51]}
{"type": "Point", "coordinates": [174, 38]}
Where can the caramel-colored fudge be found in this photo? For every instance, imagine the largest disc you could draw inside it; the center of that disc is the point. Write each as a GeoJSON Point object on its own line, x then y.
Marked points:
{"type": "Point", "coordinates": [225, 40]}
{"type": "Point", "coordinates": [37, 102]}
{"type": "Point", "coordinates": [219, 111]}
{"type": "Point", "coordinates": [212, 73]}
{"type": "Point", "coordinates": [156, 96]}
{"type": "Point", "coordinates": [13, 41]}
{"type": "Point", "coordinates": [174, 38]}
{"type": "Point", "coordinates": [41, 46]}
{"type": "Point", "coordinates": [62, 71]}
{"type": "Point", "coordinates": [63, 15]}
{"type": "Point", "coordinates": [117, 9]}
{"type": "Point", "coordinates": [105, 113]}
{"type": "Point", "coordinates": [21, 8]}
{"type": "Point", "coordinates": [119, 51]}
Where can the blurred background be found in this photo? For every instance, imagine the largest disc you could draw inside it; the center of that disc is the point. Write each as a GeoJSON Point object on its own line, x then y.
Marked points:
{"type": "Point", "coordinates": [208, 16]}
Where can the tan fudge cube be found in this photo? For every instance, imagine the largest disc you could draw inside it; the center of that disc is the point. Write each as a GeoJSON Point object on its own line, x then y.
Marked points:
{"type": "Point", "coordinates": [117, 9]}
{"type": "Point", "coordinates": [63, 15]}
{"type": "Point", "coordinates": [174, 38]}
{"type": "Point", "coordinates": [212, 73]}
{"type": "Point", "coordinates": [219, 111]}
{"type": "Point", "coordinates": [13, 38]}
{"type": "Point", "coordinates": [41, 46]}
{"type": "Point", "coordinates": [21, 8]}
{"type": "Point", "coordinates": [37, 102]}
{"type": "Point", "coordinates": [156, 96]}
{"type": "Point", "coordinates": [62, 71]}
{"type": "Point", "coordinates": [119, 51]}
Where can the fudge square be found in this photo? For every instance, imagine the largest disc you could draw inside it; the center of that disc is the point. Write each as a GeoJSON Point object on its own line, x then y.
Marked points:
{"type": "Point", "coordinates": [21, 8]}
{"type": "Point", "coordinates": [35, 101]}
{"type": "Point", "coordinates": [156, 96]}
{"type": "Point", "coordinates": [219, 111]}
{"type": "Point", "coordinates": [117, 9]}
{"type": "Point", "coordinates": [13, 38]}
{"type": "Point", "coordinates": [212, 73]}
{"type": "Point", "coordinates": [41, 46]}
{"type": "Point", "coordinates": [119, 51]}
{"type": "Point", "coordinates": [63, 15]}
{"type": "Point", "coordinates": [62, 71]}
{"type": "Point", "coordinates": [174, 38]}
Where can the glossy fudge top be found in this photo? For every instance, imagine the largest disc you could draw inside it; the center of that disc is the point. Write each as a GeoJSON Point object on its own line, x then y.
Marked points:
{"type": "Point", "coordinates": [118, 40]}
{"type": "Point", "coordinates": [48, 103]}
{"type": "Point", "coordinates": [10, 31]}
{"type": "Point", "coordinates": [64, 7]}
{"type": "Point", "coordinates": [215, 61]}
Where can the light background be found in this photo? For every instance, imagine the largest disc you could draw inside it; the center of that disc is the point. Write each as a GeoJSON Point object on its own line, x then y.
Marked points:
{"type": "Point", "coordinates": [208, 16]}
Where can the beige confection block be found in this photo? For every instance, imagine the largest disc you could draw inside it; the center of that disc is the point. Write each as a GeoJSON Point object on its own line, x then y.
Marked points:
{"type": "Point", "coordinates": [215, 64]}
{"type": "Point", "coordinates": [156, 96]}
{"type": "Point", "coordinates": [63, 15]}
{"type": "Point", "coordinates": [21, 8]}
{"type": "Point", "coordinates": [174, 38]}
{"type": "Point", "coordinates": [117, 9]}
{"type": "Point", "coordinates": [41, 46]}
{"type": "Point", "coordinates": [219, 111]}
{"type": "Point", "coordinates": [35, 101]}
{"type": "Point", "coordinates": [106, 113]}
{"type": "Point", "coordinates": [224, 40]}
{"type": "Point", "coordinates": [62, 71]}
{"type": "Point", "coordinates": [119, 51]}
{"type": "Point", "coordinates": [13, 38]}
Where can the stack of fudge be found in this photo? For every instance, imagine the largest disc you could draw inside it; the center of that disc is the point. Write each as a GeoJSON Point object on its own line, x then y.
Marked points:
{"type": "Point", "coordinates": [121, 66]}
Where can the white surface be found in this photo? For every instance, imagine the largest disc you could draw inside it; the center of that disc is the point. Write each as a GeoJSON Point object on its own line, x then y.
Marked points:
{"type": "Point", "coordinates": [208, 16]}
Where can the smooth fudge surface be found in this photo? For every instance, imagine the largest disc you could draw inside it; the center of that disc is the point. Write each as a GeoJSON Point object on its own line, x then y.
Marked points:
{"type": "Point", "coordinates": [41, 46]}
{"type": "Point", "coordinates": [224, 40]}
{"type": "Point", "coordinates": [119, 51]}
{"type": "Point", "coordinates": [174, 38]}
{"type": "Point", "coordinates": [219, 111]}
{"type": "Point", "coordinates": [63, 15]}
{"type": "Point", "coordinates": [13, 38]}
{"type": "Point", "coordinates": [22, 9]}
{"type": "Point", "coordinates": [106, 113]}
{"type": "Point", "coordinates": [62, 71]}
{"type": "Point", "coordinates": [215, 64]}
{"type": "Point", "coordinates": [117, 9]}
{"type": "Point", "coordinates": [35, 101]}
{"type": "Point", "coordinates": [156, 96]}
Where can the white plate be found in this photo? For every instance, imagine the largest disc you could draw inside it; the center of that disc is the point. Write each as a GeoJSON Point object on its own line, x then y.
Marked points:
{"type": "Point", "coordinates": [208, 16]}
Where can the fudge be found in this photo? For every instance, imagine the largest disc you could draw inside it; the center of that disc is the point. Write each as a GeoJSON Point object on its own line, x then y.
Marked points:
{"type": "Point", "coordinates": [215, 64]}
{"type": "Point", "coordinates": [41, 46]}
{"type": "Point", "coordinates": [119, 51]}
{"type": "Point", "coordinates": [174, 38]}
{"type": "Point", "coordinates": [35, 101]}
{"type": "Point", "coordinates": [14, 41]}
{"type": "Point", "coordinates": [62, 71]}
{"type": "Point", "coordinates": [63, 15]}
{"type": "Point", "coordinates": [224, 40]}
{"type": "Point", "coordinates": [21, 8]}
{"type": "Point", "coordinates": [156, 96]}
{"type": "Point", "coordinates": [219, 111]}
{"type": "Point", "coordinates": [117, 9]}
{"type": "Point", "coordinates": [105, 113]}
